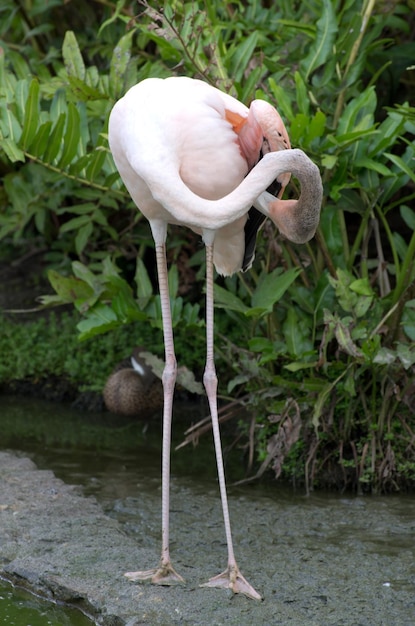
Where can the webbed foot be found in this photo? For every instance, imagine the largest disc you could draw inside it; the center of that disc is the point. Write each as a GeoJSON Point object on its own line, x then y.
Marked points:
{"type": "Point", "coordinates": [165, 574]}
{"type": "Point", "coordinates": [232, 578]}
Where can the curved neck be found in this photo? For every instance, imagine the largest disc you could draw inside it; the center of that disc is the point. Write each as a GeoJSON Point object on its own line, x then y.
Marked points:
{"type": "Point", "coordinates": [187, 208]}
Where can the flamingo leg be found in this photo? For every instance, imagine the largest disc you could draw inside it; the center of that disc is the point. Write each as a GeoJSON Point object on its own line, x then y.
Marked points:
{"type": "Point", "coordinates": [231, 578]}
{"type": "Point", "coordinates": [165, 573]}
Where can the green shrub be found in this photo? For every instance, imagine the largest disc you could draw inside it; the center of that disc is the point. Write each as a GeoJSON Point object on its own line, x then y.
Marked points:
{"type": "Point", "coordinates": [328, 326]}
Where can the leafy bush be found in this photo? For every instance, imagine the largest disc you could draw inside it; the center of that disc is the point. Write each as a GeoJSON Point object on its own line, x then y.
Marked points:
{"type": "Point", "coordinates": [319, 335]}
{"type": "Point", "coordinates": [49, 346]}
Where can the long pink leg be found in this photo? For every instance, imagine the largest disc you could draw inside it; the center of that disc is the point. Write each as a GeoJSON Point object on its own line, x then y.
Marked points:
{"type": "Point", "coordinates": [231, 578]}
{"type": "Point", "coordinates": [165, 573]}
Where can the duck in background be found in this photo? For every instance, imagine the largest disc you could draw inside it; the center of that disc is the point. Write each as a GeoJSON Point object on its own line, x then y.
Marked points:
{"type": "Point", "coordinates": [132, 389]}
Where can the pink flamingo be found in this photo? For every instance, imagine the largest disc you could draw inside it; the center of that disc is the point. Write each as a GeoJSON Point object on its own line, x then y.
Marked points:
{"type": "Point", "coordinates": [192, 155]}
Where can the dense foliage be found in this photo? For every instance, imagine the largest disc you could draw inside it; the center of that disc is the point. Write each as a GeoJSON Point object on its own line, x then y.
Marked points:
{"type": "Point", "coordinates": [317, 339]}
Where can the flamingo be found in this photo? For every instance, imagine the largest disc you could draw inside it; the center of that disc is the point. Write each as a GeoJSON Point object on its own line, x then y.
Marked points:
{"type": "Point", "coordinates": [192, 155]}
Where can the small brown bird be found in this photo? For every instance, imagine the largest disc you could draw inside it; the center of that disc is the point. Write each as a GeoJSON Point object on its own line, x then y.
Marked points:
{"type": "Point", "coordinates": [133, 389]}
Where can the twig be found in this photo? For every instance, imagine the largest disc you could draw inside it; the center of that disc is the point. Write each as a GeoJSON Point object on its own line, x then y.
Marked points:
{"type": "Point", "coordinates": [225, 413]}
{"type": "Point", "coordinates": [81, 181]}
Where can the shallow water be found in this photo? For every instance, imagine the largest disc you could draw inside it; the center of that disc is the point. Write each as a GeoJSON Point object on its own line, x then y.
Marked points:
{"type": "Point", "coordinates": [323, 559]}
{"type": "Point", "coordinates": [20, 608]}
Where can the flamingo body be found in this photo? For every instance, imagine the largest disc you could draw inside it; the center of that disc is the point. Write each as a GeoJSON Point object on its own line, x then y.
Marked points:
{"type": "Point", "coordinates": [193, 134]}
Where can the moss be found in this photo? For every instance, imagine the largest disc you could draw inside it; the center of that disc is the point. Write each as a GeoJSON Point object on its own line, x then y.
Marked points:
{"type": "Point", "coordinates": [49, 346]}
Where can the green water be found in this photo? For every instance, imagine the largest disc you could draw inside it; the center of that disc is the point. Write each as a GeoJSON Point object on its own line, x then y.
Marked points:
{"type": "Point", "coordinates": [19, 608]}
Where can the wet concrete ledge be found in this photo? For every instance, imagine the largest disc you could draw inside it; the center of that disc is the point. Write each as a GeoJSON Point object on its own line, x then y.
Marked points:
{"type": "Point", "coordinates": [60, 545]}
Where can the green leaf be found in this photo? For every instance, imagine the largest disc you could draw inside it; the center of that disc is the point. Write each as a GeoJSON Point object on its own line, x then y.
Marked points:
{"type": "Point", "coordinates": [75, 223]}
{"type": "Point", "coordinates": [385, 356]}
{"type": "Point", "coordinates": [349, 384]}
{"type": "Point", "coordinates": [76, 167]}
{"type": "Point", "coordinates": [362, 287]}
{"type": "Point", "coordinates": [41, 140]}
{"type": "Point", "coordinates": [406, 354]}
{"type": "Point", "coordinates": [282, 98]}
{"type": "Point", "coordinates": [85, 274]}
{"type": "Point", "coordinates": [59, 105]}
{"type": "Point", "coordinates": [303, 101]}
{"type": "Point", "coordinates": [20, 95]}
{"type": "Point", "coordinates": [329, 161]}
{"type": "Point", "coordinates": [143, 282]}
{"type": "Point", "coordinates": [272, 287]}
{"type": "Point", "coordinates": [322, 47]}
{"type": "Point", "coordinates": [55, 140]}
{"type": "Point", "coordinates": [240, 379]}
{"type": "Point", "coordinates": [358, 114]}
{"type": "Point", "coordinates": [319, 404]}
{"type": "Point", "coordinates": [69, 289]}
{"type": "Point", "coordinates": [92, 77]}
{"type": "Point", "coordinates": [176, 307]}
{"type": "Point", "coordinates": [304, 129]}
{"type": "Point", "coordinates": [31, 117]}
{"type": "Point", "coordinates": [299, 128]}
{"type": "Point", "coordinates": [116, 14]}
{"type": "Point", "coordinates": [81, 209]}
{"type": "Point", "coordinates": [389, 131]}
{"type": "Point", "coordinates": [243, 55]}
{"type": "Point", "coordinates": [126, 308]}
{"type": "Point", "coordinates": [226, 300]}
{"type": "Point", "coordinates": [363, 305]}
{"type": "Point", "coordinates": [110, 270]}
{"type": "Point", "coordinates": [248, 86]}
{"type": "Point", "coordinates": [71, 137]}
{"type": "Point", "coordinates": [408, 216]}
{"type": "Point", "coordinates": [72, 56]}
{"type": "Point", "coordinates": [95, 163]}
{"type": "Point", "coordinates": [13, 152]}
{"type": "Point", "coordinates": [297, 366]}
{"type": "Point", "coordinates": [82, 237]}
{"type": "Point", "coordinates": [9, 124]}
{"type": "Point", "coordinates": [259, 344]}
{"type": "Point", "coordinates": [40, 219]}
{"type": "Point", "coordinates": [100, 320]}
{"type": "Point", "coordinates": [173, 281]}
{"type": "Point", "coordinates": [343, 140]}
{"type": "Point", "coordinates": [85, 136]}
{"type": "Point", "coordinates": [347, 298]}
{"type": "Point", "coordinates": [317, 126]}
{"type": "Point", "coordinates": [371, 164]}
{"type": "Point", "coordinates": [342, 333]}
{"type": "Point", "coordinates": [83, 91]}
{"type": "Point", "coordinates": [400, 163]}
{"type": "Point", "coordinates": [190, 314]}
{"type": "Point", "coordinates": [119, 62]}
{"type": "Point", "coordinates": [296, 334]}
